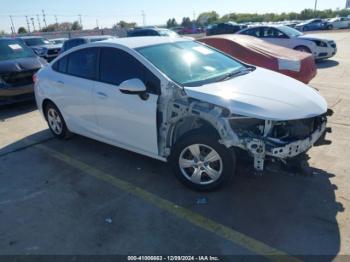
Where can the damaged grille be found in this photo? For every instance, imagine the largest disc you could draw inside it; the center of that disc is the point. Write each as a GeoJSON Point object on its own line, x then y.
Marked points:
{"type": "Point", "coordinates": [295, 129]}
{"type": "Point", "coordinates": [19, 78]}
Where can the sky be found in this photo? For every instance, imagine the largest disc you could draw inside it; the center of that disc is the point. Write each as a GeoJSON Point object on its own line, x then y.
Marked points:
{"type": "Point", "coordinates": [105, 13]}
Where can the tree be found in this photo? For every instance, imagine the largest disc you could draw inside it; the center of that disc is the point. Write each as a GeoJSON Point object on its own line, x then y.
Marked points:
{"type": "Point", "coordinates": [76, 26]}
{"type": "Point", "coordinates": [126, 25]}
{"type": "Point", "coordinates": [186, 22]}
{"type": "Point", "coordinates": [207, 18]}
{"type": "Point", "coordinates": [22, 30]}
{"type": "Point", "coordinates": [171, 23]}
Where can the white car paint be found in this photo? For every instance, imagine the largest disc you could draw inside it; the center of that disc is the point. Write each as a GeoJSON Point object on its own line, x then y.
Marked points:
{"type": "Point", "coordinates": [265, 100]}
{"type": "Point", "coordinates": [100, 111]}
{"type": "Point", "coordinates": [320, 52]}
{"type": "Point", "coordinates": [338, 23]}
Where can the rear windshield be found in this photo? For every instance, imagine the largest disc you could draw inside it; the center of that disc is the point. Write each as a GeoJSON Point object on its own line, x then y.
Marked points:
{"type": "Point", "coordinates": [36, 41]}
{"type": "Point", "coordinates": [98, 39]}
{"type": "Point", "coordinates": [12, 49]}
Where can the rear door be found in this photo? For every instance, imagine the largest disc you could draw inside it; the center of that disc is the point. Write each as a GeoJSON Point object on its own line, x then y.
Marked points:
{"type": "Point", "coordinates": [73, 84]}
{"type": "Point", "coordinates": [127, 120]}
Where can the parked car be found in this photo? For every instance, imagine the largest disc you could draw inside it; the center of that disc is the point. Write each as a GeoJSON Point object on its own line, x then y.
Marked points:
{"type": "Point", "coordinates": [58, 41]}
{"type": "Point", "coordinates": [288, 37]}
{"type": "Point", "coordinates": [193, 109]}
{"type": "Point", "coordinates": [338, 23]}
{"type": "Point", "coordinates": [252, 50]}
{"type": "Point", "coordinates": [152, 32]}
{"type": "Point", "coordinates": [73, 42]}
{"type": "Point", "coordinates": [223, 28]}
{"type": "Point", "coordinates": [18, 63]}
{"type": "Point", "coordinates": [311, 25]}
{"type": "Point", "coordinates": [41, 46]}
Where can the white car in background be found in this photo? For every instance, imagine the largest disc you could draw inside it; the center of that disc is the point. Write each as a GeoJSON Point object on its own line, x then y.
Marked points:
{"type": "Point", "coordinates": [180, 101]}
{"type": "Point", "coordinates": [338, 23]}
{"type": "Point", "coordinates": [288, 37]}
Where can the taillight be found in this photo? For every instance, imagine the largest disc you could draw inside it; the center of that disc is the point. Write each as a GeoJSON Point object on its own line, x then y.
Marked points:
{"type": "Point", "coordinates": [34, 78]}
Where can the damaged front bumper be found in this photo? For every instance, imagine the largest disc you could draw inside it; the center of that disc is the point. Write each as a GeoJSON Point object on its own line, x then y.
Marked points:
{"type": "Point", "coordinates": [295, 148]}
{"type": "Point", "coordinates": [263, 147]}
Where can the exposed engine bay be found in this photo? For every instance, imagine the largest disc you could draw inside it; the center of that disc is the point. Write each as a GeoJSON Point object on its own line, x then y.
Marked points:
{"type": "Point", "coordinates": [260, 138]}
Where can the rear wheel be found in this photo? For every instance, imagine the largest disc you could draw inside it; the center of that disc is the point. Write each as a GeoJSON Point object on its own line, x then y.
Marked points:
{"type": "Point", "coordinates": [303, 49]}
{"type": "Point", "coordinates": [201, 162]}
{"type": "Point", "coordinates": [55, 121]}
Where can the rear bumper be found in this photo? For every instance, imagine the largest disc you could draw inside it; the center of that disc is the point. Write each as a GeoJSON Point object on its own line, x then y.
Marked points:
{"type": "Point", "coordinates": [10, 95]}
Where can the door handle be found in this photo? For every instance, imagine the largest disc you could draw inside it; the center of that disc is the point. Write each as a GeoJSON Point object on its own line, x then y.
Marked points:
{"type": "Point", "coordinates": [102, 95]}
{"type": "Point", "coordinates": [60, 82]}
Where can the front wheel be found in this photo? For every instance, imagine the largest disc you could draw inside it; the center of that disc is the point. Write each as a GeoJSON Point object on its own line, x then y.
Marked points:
{"type": "Point", "coordinates": [201, 162]}
{"type": "Point", "coordinates": [303, 49]}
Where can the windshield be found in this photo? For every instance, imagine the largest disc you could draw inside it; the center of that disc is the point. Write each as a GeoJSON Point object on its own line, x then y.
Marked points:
{"type": "Point", "coordinates": [168, 33]}
{"type": "Point", "coordinates": [36, 41]}
{"type": "Point", "coordinates": [190, 63]}
{"type": "Point", "coordinates": [12, 49]}
{"type": "Point", "coordinates": [291, 32]}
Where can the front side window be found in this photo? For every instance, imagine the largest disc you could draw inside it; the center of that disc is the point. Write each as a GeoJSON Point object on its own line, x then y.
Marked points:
{"type": "Point", "coordinates": [82, 63]}
{"type": "Point", "coordinates": [190, 63]}
{"type": "Point", "coordinates": [117, 66]}
{"type": "Point", "coordinates": [12, 49]}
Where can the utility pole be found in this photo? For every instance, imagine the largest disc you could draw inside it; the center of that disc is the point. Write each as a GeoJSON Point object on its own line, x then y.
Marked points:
{"type": "Point", "coordinates": [143, 18]}
{"type": "Point", "coordinates": [315, 6]}
{"type": "Point", "coordinates": [28, 24]}
{"type": "Point", "coordinates": [56, 25]}
{"type": "Point", "coordinates": [37, 17]}
{"type": "Point", "coordinates": [44, 17]}
{"type": "Point", "coordinates": [97, 24]}
{"type": "Point", "coordinates": [33, 23]}
{"type": "Point", "coordinates": [12, 25]}
{"type": "Point", "coordinates": [80, 21]}
{"type": "Point", "coordinates": [194, 15]}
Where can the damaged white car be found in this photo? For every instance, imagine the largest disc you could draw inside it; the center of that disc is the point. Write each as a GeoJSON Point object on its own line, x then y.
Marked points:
{"type": "Point", "coordinates": [180, 101]}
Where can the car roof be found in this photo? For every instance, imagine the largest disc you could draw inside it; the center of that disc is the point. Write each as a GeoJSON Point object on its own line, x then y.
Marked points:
{"type": "Point", "coordinates": [142, 41]}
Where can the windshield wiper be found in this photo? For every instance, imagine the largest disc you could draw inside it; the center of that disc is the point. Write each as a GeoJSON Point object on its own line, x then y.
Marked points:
{"type": "Point", "coordinates": [235, 73]}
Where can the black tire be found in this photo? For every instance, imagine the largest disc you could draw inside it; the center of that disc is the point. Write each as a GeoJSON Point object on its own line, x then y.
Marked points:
{"type": "Point", "coordinates": [329, 27]}
{"type": "Point", "coordinates": [61, 132]}
{"type": "Point", "coordinates": [303, 48]}
{"type": "Point", "coordinates": [206, 141]}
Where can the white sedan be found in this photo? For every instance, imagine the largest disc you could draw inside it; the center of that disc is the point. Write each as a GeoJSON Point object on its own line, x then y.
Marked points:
{"type": "Point", "coordinates": [177, 100]}
{"type": "Point", "coordinates": [320, 47]}
{"type": "Point", "coordinates": [338, 23]}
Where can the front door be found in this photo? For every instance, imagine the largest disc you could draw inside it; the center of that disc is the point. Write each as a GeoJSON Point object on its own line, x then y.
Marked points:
{"type": "Point", "coordinates": [126, 119]}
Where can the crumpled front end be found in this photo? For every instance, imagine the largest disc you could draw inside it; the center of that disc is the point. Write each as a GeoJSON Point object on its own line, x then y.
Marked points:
{"type": "Point", "coordinates": [278, 139]}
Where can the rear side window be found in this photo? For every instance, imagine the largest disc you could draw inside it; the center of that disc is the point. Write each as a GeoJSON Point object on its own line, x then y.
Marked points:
{"type": "Point", "coordinates": [253, 32]}
{"type": "Point", "coordinates": [61, 65]}
{"type": "Point", "coordinates": [83, 63]}
{"type": "Point", "coordinates": [117, 66]}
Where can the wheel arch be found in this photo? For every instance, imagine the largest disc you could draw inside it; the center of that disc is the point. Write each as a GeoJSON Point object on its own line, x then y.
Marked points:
{"type": "Point", "coordinates": [187, 124]}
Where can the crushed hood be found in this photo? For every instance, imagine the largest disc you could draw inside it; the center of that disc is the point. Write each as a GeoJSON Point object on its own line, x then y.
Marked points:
{"type": "Point", "coordinates": [263, 94]}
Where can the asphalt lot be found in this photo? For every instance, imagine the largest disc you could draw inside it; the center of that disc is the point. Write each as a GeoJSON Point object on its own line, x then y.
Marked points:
{"type": "Point", "coordinates": [83, 197]}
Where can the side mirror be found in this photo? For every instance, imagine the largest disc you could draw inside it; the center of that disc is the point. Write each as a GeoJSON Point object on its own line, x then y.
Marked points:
{"type": "Point", "coordinates": [132, 86]}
